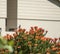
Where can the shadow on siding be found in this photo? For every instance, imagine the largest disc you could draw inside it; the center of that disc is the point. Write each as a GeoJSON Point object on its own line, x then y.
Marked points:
{"type": "Point", "coordinates": [56, 2]}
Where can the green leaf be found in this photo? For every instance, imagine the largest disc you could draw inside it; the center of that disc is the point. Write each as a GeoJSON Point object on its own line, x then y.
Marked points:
{"type": "Point", "coordinates": [8, 47]}
{"type": "Point", "coordinates": [21, 52]}
{"type": "Point", "coordinates": [11, 42]}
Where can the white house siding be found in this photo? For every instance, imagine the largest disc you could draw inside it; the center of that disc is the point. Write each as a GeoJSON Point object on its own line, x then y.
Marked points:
{"type": "Point", "coordinates": [42, 11]}
{"type": "Point", "coordinates": [3, 8]}
{"type": "Point", "coordinates": [52, 27]}
{"type": "Point", "coordinates": [2, 26]}
{"type": "Point", "coordinates": [37, 9]}
{"type": "Point", "coordinates": [3, 15]}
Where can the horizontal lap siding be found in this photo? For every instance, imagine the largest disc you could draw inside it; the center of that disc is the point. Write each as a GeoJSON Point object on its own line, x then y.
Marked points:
{"type": "Point", "coordinates": [3, 8]}
{"type": "Point", "coordinates": [37, 9]}
{"type": "Point", "coordinates": [52, 27]}
{"type": "Point", "coordinates": [2, 26]}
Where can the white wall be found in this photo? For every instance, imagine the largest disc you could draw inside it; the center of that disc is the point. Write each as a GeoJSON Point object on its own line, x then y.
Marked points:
{"type": "Point", "coordinates": [38, 9]}
{"type": "Point", "coordinates": [2, 26]}
{"type": "Point", "coordinates": [52, 27]}
{"type": "Point", "coordinates": [3, 15]}
{"type": "Point", "coordinates": [3, 8]}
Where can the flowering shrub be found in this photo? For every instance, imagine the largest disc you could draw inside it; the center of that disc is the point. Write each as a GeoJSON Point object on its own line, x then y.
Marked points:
{"type": "Point", "coordinates": [32, 42]}
{"type": "Point", "coordinates": [4, 47]}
